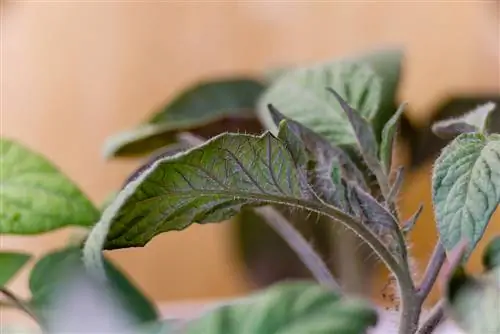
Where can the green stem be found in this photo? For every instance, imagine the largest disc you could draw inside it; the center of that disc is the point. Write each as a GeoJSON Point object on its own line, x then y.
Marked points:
{"type": "Point", "coordinates": [299, 244]}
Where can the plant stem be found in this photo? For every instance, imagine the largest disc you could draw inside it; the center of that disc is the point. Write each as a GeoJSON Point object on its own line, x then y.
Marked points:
{"type": "Point", "coordinates": [431, 273]}
{"type": "Point", "coordinates": [433, 320]}
{"type": "Point", "coordinates": [299, 244]}
{"type": "Point", "coordinates": [18, 303]}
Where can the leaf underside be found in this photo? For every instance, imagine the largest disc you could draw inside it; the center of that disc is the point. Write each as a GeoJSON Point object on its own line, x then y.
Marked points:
{"type": "Point", "coordinates": [35, 196]}
{"type": "Point", "coordinates": [466, 188]}
{"type": "Point", "coordinates": [206, 184]}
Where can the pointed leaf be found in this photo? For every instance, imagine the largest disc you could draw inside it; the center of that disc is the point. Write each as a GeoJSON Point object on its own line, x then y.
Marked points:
{"type": "Point", "coordinates": [194, 108]}
{"type": "Point", "coordinates": [318, 149]}
{"type": "Point", "coordinates": [292, 308]}
{"type": "Point", "coordinates": [476, 120]}
{"type": "Point", "coordinates": [410, 223]}
{"type": "Point", "coordinates": [474, 302]}
{"type": "Point", "coordinates": [10, 264]}
{"type": "Point", "coordinates": [53, 268]}
{"type": "Point", "coordinates": [491, 255]}
{"type": "Point", "coordinates": [300, 94]}
{"type": "Point", "coordinates": [388, 138]}
{"type": "Point", "coordinates": [396, 186]}
{"type": "Point", "coordinates": [466, 188]}
{"type": "Point", "coordinates": [367, 143]}
{"type": "Point", "coordinates": [35, 196]}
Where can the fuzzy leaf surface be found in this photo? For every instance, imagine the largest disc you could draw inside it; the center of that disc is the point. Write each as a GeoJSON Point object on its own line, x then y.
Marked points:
{"type": "Point", "coordinates": [466, 188]}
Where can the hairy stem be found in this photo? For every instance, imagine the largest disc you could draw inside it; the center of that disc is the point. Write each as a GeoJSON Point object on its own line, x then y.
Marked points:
{"type": "Point", "coordinates": [299, 244]}
{"type": "Point", "coordinates": [18, 303]}
{"type": "Point", "coordinates": [435, 317]}
{"type": "Point", "coordinates": [431, 273]}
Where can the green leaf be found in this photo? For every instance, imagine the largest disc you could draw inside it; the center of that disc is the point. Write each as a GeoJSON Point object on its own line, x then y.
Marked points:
{"type": "Point", "coordinates": [473, 302]}
{"type": "Point", "coordinates": [35, 196]}
{"type": "Point", "coordinates": [196, 107]}
{"type": "Point", "coordinates": [10, 264]}
{"type": "Point", "coordinates": [291, 308]}
{"type": "Point", "coordinates": [387, 65]}
{"type": "Point", "coordinates": [491, 255]}
{"type": "Point", "coordinates": [388, 138]}
{"type": "Point", "coordinates": [466, 188]}
{"type": "Point", "coordinates": [318, 149]}
{"type": "Point", "coordinates": [51, 271]}
{"type": "Point", "coordinates": [476, 120]}
{"type": "Point", "coordinates": [300, 95]}
{"type": "Point", "coordinates": [366, 141]}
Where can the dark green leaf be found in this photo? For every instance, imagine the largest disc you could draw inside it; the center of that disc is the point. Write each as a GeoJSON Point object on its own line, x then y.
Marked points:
{"type": "Point", "coordinates": [491, 255]}
{"type": "Point", "coordinates": [300, 95]}
{"type": "Point", "coordinates": [366, 141]}
{"type": "Point", "coordinates": [194, 108]}
{"type": "Point", "coordinates": [10, 264]}
{"type": "Point", "coordinates": [35, 196]}
{"type": "Point", "coordinates": [466, 188]}
{"type": "Point", "coordinates": [473, 302]}
{"type": "Point", "coordinates": [291, 308]}
{"type": "Point", "coordinates": [388, 138]}
{"type": "Point", "coordinates": [475, 121]}
{"type": "Point", "coordinates": [54, 268]}
{"type": "Point", "coordinates": [318, 149]}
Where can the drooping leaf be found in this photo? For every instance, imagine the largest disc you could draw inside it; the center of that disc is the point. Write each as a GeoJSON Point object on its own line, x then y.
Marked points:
{"type": "Point", "coordinates": [194, 108]}
{"type": "Point", "coordinates": [476, 120]}
{"type": "Point", "coordinates": [466, 188]}
{"type": "Point", "coordinates": [491, 255]}
{"type": "Point", "coordinates": [209, 183]}
{"type": "Point", "coordinates": [292, 308]}
{"type": "Point", "coordinates": [10, 264]}
{"type": "Point", "coordinates": [300, 95]}
{"type": "Point", "coordinates": [473, 303]}
{"type": "Point", "coordinates": [388, 138]}
{"type": "Point", "coordinates": [54, 269]}
{"type": "Point", "coordinates": [35, 196]}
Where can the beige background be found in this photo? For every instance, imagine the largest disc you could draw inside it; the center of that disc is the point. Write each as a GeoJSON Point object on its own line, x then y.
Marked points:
{"type": "Point", "coordinates": [74, 72]}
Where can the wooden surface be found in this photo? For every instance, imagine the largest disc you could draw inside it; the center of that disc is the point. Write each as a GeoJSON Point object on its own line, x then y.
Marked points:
{"type": "Point", "coordinates": [74, 72]}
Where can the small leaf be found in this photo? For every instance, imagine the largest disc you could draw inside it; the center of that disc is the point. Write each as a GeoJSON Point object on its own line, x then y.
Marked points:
{"type": "Point", "coordinates": [366, 140]}
{"type": "Point", "coordinates": [35, 196]}
{"type": "Point", "coordinates": [292, 308]}
{"type": "Point", "coordinates": [410, 223]}
{"type": "Point", "coordinates": [194, 108]}
{"type": "Point", "coordinates": [491, 255]}
{"type": "Point", "coordinates": [52, 269]}
{"type": "Point", "coordinates": [318, 149]}
{"type": "Point", "coordinates": [466, 188]}
{"type": "Point", "coordinates": [388, 138]}
{"type": "Point", "coordinates": [300, 94]}
{"type": "Point", "coordinates": [476, 120]}
{"type": "Point", "coordinates": [10, 264]}
{"type": "Point", "coordinates": [473, 302]}
{"type": "Point", "coordinates": [396, 186]}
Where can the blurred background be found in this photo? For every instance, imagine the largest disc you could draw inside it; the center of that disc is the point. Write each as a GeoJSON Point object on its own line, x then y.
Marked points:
{"type": "Point", "coordinates": [75, 72]}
